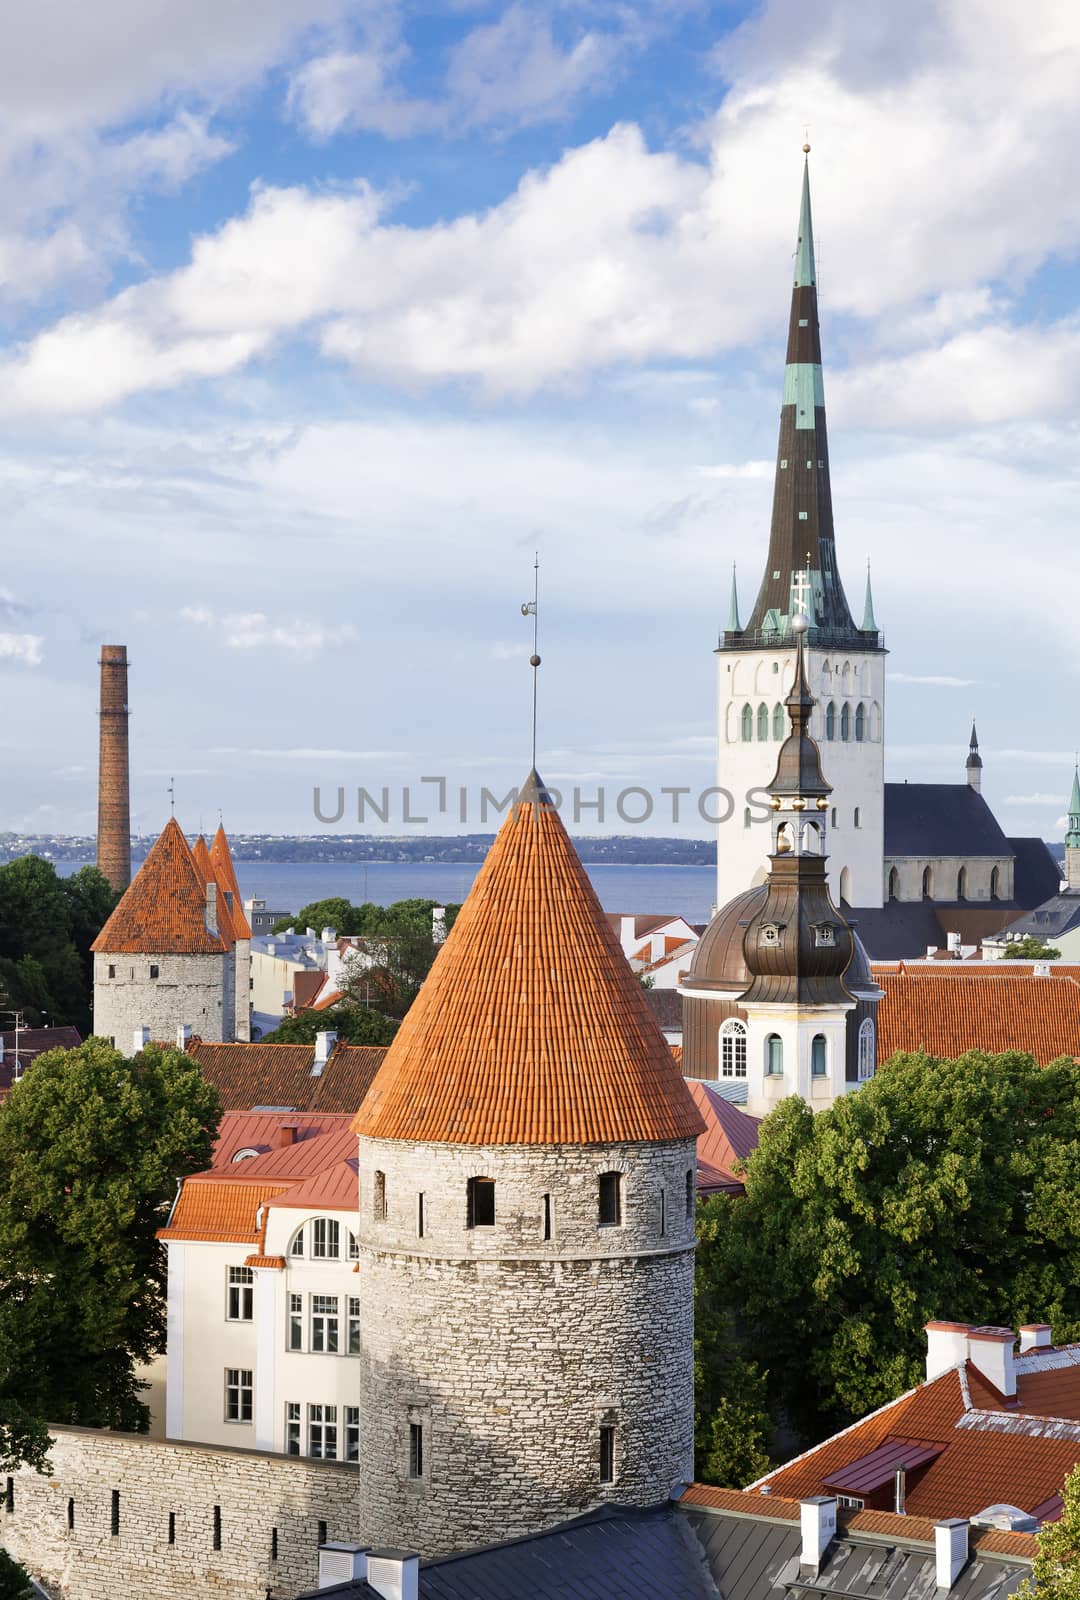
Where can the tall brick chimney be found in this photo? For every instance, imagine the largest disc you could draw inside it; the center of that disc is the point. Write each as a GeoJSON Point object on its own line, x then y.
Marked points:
{"type": "Point", "coordinates": [114, 807]}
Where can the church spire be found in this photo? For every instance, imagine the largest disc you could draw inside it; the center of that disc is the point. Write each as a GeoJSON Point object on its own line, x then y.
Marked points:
{"type": "Point", "coordinates": [801, 536]}
{"type": "Point", "coordinates": [1072, 837]}
{"type": "Point", "coordinates": [973, 764]}
{"type": "Point", "coordinates": [733, 623]}
{"type": "Point", "coordinates": [868, 623]}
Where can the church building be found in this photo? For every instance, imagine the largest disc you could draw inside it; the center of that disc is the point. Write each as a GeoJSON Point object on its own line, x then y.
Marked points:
{"type": "Point", "coordinates": [912, 863]}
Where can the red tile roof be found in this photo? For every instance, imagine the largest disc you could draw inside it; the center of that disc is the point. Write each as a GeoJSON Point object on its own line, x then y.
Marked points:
{"type": "Point", "coordinates": [531, 1028]}
{"type": "Point", "coordinates": [225, 872]}
{"type": "Point", "coordinates": [947, 1010]}
{"type": "Point", "coordinates": [163, 909]}
{"type": "Point", "coordinates": [212, 1210]}
{"type": "Point", "coordinates": [730, 1136]}
{"type": "Point", "coordinates": [988, 1454]}
{"type": "Point", "coordinates": [249, 1075]}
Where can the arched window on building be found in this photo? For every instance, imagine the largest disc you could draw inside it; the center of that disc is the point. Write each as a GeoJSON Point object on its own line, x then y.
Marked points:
{"type": "Point", "coordinates": [928, 883]}
{"type": "Point", "coordinates": [763, 721]}
{"type": "Point", "coordinates": [867, 1050]}
{"type": "Point", "coordinates": [818, 1056]}
{"type": "Point", "coordinates": [747, 723]}
{"type": "Point", "coordinates": [481, 1203]}
{"type": "Point", "coordinates": [830, 720]}
{"type": "Point", "coordinates": [995, 883]}
{"type": "Point", "coordinates": [860, 722]}
{"type": "Point", "coordinates": [961, 884]}
{"type": "Point", "coordinates": [845, 721]}
{"type": "Point", "coordinates": [609, 1199]}
{"type": "Point", "coordinates": [774, 1056]}
{"type": "Point", "coordinates": [845, 886]}
{"type": "Point", "coordinates": [746, 817]}
{"type": "Point", "coordinates": [894, 883]}
{"type": "Point", "coordinates": [811, 839]}
{"type": "Point", "coordinates": [733, 1048]}
{"type": "Point", "coordinates": [778, 721]}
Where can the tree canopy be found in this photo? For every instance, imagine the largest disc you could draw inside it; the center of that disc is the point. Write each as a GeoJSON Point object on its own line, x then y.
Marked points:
{"type": "Point", "coordinates": [91, 1147]}
{"type": "Point", "coordinates": [942, 1189]}
{"type": "Point", "coordinates": [47, 925]}
{"type": "Point", "coordinates": [399, 956]}
{"type": "Point", "coordinates": [14, 1582]}
{"type": "Point", "coordinates": [1056, 1571]}
{"type": "Point", "coordinates": [354, 1023]}
{"type": "Point", "coordinates": [1030, 948]}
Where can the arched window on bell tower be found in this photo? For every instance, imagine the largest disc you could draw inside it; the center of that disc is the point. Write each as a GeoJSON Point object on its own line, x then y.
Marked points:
{"type": "Point", "coordinates": [845, 721]}
{"type": "Point", "coordinates": [830, 720]}
{"type": "Point", "coordinates": [894, 883]}
{"type": "Point", "coordinates": [995, 884]}
{"type": "Point", "coordinates": [928, 883]}
{"type": "Point", "coordinates": [763, 721]}
{"type": "Point", "coordinates": [747, 724]}
{"type": "Point", "coordinates": [961, 884]}
{"type": "Point", "coordinates": [778, 721]}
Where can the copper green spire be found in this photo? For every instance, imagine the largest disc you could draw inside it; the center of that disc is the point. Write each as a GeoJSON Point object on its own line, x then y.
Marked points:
{"type": "Point", "coordinates": [733, 623]}
{"type": "Point", "coordinates": [805, 276]}
{"type": "Point", "coordinates": [868, 623]}
{"type": "Point", "coordinates": [1072, 837]}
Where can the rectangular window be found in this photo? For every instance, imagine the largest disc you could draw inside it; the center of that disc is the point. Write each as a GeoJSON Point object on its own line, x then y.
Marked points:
{"type": "Point", "coordinates": [663, 1213]}
{"type": "Point", "coordinates": [217, 1527]}
{"type": "Point", "coordinates": [239, 1392]}
{"type": "Point", "coordinates": [354, 1324]}
{"type": "Point", "coordinates": [322, 1432]}
{"type": "Point", "coordinates": [607, 1454]}
{"type": "Point", "coordinates": [352, 1433]}
{"type": "Point", "coordinates": [324, 1323]}
{"type": "Point", "coordinates": [172, 1527]}
{"type": "Point", "coordinates": [803, 516]}
{"type": "Point", "coordinates": [112, 971]}
{"type": "Point", "coordinates": [419, 1216]}
{"type": "Point", "coordinates": [610, 1199]}
{"type": "Point", "coordinates": [850, 1500]}
{"type": "Point", "coordinates": [379, 1198]}
{"type": "Point", "coordinates": [481, 1207]}
{"type": "Point", "coordinates": [416, 1450]}
{"type": "Point", "coordinates": [547, 1216]}
{"type": "Point", "coordinates": [325, 1239]}
{"type": "Point", "coordinates": [241, 1295]}
{"type": "Point", "coordinates": [9, 1496]}
{"type": "Point", "coordinates": [273, 1544]}
{"type": "Point", "coordinates": [153, 970]}
{"type": "Point", "coordinates": [292, 1428]}
{"type": "Point", "coordinates": [296, 1322]}
{"type": "Point", "coordinates": [114, 1519]}
{"type": "Point", "coordinates": [71, 1516]}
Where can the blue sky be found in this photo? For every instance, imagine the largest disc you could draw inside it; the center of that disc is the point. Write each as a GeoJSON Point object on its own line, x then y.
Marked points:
{"type": "Point", "coordinates": [319, 317]}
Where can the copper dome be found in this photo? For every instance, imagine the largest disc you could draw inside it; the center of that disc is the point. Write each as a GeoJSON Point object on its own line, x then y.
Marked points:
{"type": "Point", "coordinates": [718, 960]}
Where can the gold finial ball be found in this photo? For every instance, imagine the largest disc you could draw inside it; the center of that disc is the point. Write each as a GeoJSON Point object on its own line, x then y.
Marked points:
{"type": "Point", "coordinates": [534, 661]}
{"type": "Point", "coordinates": [806, 149]}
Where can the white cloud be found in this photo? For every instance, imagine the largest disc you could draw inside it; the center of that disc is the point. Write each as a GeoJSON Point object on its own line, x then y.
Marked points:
{"type": "Point", "coordinates": [1032, 800]}
{"type": "Point", "coordinates": [252, 630]}
{"type": "Point", "coordinates": [24, 647]}
{"type": "Point", "coordinates": [934, 682]}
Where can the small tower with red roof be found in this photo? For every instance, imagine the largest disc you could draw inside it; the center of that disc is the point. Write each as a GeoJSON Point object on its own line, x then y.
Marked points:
{"type": "Point", "coordinates": [168, 958]}
{"type": "Point", "coordinates": [527, 1186]}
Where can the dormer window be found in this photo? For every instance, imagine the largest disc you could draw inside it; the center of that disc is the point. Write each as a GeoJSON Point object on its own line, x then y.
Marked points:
{"type": "Point", "coordinates": [770, 933]}
{"type": "Point", "coordinates": [824, 934]}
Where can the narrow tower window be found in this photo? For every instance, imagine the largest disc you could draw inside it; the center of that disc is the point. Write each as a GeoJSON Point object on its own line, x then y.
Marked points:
{"type": "Point", "coordinates": [71, 1516]}
{"type": "Point", "coordinates": [547, 1216]}
{"type": "Point", "coordinates": [763, 721]}
{"type": "Point", "coordinates": [379, 1204]}
{"type": "Point", "coordinates": [481, 1203]}
{"type": "Point", "coordinates": [607, 1453]}
{"type": "Point", "coordinates": [961, 884]}
{"type": "Point", "coordinates": [867, 1050]}
{"type": "Point", "coordinates": [995, 883]}
{"type": "Point", "coordinates": [845, 721]}
{"type": "Point", "coordinates": [689, 1193]}
{"type": "Point", "coordinates": [610, 1199]}
{"type": "Point", "coordinates": [860, 722]}
{"type": "Point", "coordinates": [894, 883]}
{"type": "Point", "coordinates": [416, 1450]}
{"type": "Point", "coordinates": [420, 1216]}
{"type": "Point", "coordinates": [663, 1212]}
{"type": "Point", "coordinates": [778, 721]}
{"type": "Point", "coordinates": [747, 728]}
{"type": "Point", "coordinates": [927, 883]}
{"type": "Point", "coordinates": [817, 1056]}
{"type": "Point", "coordinates": [830, 720]}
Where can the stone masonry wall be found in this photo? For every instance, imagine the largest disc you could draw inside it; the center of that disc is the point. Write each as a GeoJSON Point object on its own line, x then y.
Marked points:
{"type": "Point", "coordinates": [257, 1494]}
{"type": "Point", "coordinates": [189, 989]}
{"type": "Point", "coordinates": [510, 1351]}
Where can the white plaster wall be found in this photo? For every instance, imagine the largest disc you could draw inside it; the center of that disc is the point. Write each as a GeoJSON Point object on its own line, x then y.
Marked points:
{"type": "Point", "coordinates": [271, 977]}
{"type": "Point", "coordinates": [796, 1026]}
{"type": "Point", "coordinates": [855, 769]}
{"type": "Point", "coordinates": [946, 870]}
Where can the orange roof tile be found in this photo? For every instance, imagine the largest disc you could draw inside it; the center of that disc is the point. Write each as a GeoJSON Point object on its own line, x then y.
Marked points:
{"type": "Point", "coordinates": [225, 872]}
{"type": "Point", "coordinates": [249, 1075]}
{"type": "Point", "coordinates": [212, 1209]}
{"type": "Point", "coordinates": [530, 1028]}
{"type": "Point", "coordinates": [163, 909]}
{"type": "Point", "coordinates": [946, 1015]}
{"type": "Point", "coordinates": [265, 1261]}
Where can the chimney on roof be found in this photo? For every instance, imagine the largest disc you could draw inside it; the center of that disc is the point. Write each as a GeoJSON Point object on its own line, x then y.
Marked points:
{"type": "Point", "coordinates": [900, 1490]}
{"type": "Point", "coordinates": [990, 1350]}
{"type": "Point", "coordinates": [817, 1523]}
{"type": "Point", "coordinates": [140, 1040]}
{"type": "Point", "coordinates": [183, 1035]}
{"type": "Point", "coordinates": [341, 1563]}
{"type": "Point", "coordinates": [946, 1347]}
{"type": "Point", "coordinates": [394, 1574]}
{"type": "Point", "coordinates": [211, 906]}
{"type": "Point", "coordinates": [438, 924]}
{"type": "Point", "coordinates": [953, 940]}
{"type": "Point", "coordinates": [1035, 1336]}
{"type": "Point", "coordinates": [1041, 969]}
{"type": "Point", "coordinates": [324, 1043]}
{"type": "Point", "coordinates": [328, 935]}
{"type": "Point", "coordinates": [627, 930]}
{"type": "Point", "coordinates": [286, 1134]}
{"type": "Point", "coordinates": [950, 1550]}
{"type": "Point", "coordinates": [931, 951]}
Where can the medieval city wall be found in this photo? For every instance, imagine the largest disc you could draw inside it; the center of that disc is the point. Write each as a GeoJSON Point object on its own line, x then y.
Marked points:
{"type": "Point", "coordinates": [269, 1514]}
{"type": "Point", "coordinates": [190, 989]}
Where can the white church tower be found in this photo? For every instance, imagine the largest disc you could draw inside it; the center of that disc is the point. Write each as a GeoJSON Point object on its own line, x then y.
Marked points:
{"type": "Point", "coordinates": [845, 663]}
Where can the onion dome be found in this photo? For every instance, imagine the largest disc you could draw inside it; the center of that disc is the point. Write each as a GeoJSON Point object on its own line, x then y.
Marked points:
{"type": "Point", "coordinates": [531, 1028]}
{"type": "Point", "coordinates": [718, 961]}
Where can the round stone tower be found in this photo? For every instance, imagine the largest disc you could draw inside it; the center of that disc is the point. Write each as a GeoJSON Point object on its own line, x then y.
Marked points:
{"type": "Point", "coordinates": [527, 1187]}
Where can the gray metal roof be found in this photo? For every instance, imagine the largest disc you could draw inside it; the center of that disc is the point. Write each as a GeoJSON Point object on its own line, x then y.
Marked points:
{"type": "Point", "coordinates": [940, 819]}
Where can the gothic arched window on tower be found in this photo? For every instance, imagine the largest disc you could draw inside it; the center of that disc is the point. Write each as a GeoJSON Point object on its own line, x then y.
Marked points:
{"type": "Point", "coordinates": [830, 720]}
{"type": "Point", "coordinates": [778, 721]}
{"type": "Point", "coordinates": [867, 1050]}
{"type": "Point", "coordinates": [928, 883]}
{"type": "Point", "coordinates": [610, 1199]}
{"type": "Point", "coordinates": [774, 1056]}
{"type": "Point", "coordinates": [961, 884]}
{"type": "Point", "coordinates": [818, 1058]}
{"type": "Point", "coordinates": [860, 722]}
{"type": "Point", "coordinates": [747, 723]}
{"type": "Point", "coordinates": [845, 721]}
{"type": "Point", "coordinates": [733, 1049]}
{"type": "Point", "coordinates": [845, 886]}
{"type": "Point", "coordinates": [894, 883]}
{"type": "Point", "coordinates": [481, 1206]}
{"type": "Point", "coordinates": [763, 721]}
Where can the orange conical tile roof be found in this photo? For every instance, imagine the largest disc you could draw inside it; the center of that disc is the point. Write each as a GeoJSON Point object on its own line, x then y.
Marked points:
{"type": "Point", "coordinates": [204, 866]}
{"type": "Point", "coordinates": [163, 911]}
{"type": "Point", "coordinates": [225, 872]}
{"type": "Point", "coordinates": [531, 1028]}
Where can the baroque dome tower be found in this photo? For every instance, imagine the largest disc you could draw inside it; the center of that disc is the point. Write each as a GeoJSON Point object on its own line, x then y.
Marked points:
{"type": "Point", "coordinates": [527, 1197]}
{"type": "Point", "coordinates": [779, 993]}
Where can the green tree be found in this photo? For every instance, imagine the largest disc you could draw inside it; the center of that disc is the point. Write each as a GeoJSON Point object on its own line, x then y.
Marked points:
{"type": "Point", "coordinates": [1056, 1571]}
{"type": "Point", "coordinates": [23, 1439]}
{"type": "Point", "coordinates": [336, 913]}
{"type": "Point", "coordinates": [353, 1023]}
{"type": "Point", "coordinates": [14, 1581]}
{"type": "Point", "coordinates": [91, 1147]}
{"type": "Point", "coordinates": [943, 1189]}
{"type": "Point", "coordinates": [91, 902]}
{"type": "Point", "coordinates": [731, 1422]}
{"type": "Point", "coordinates": [47, 924]}
{"type": "Point", "coordinates": [1030, 948]}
